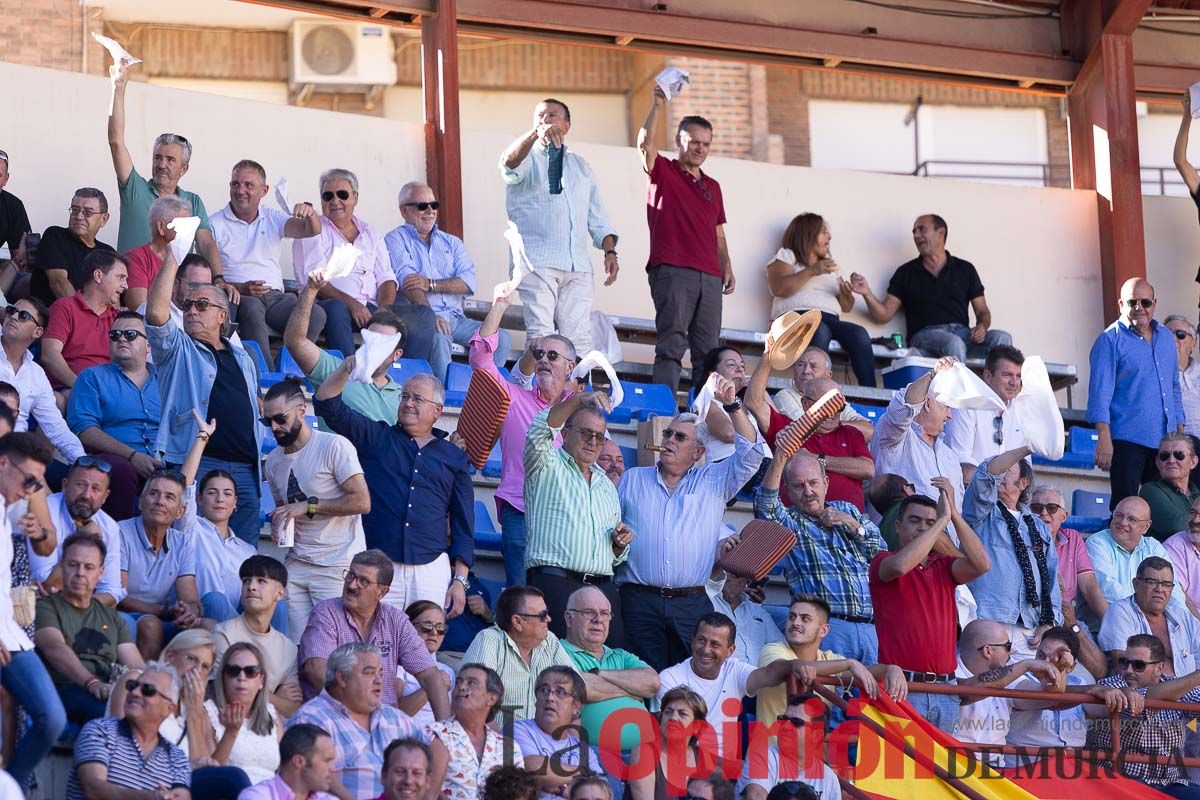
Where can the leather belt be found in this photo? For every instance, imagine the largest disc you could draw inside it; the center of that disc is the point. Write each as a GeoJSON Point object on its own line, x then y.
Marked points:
{"type": "Point", "coordinates": [927, 677]}
{"type": "Point", "coordinates": [856, 620]}
{"type": "Point", "coordinates": [589, 578]}
{"type": "Point", "coordinates": [688, 591]}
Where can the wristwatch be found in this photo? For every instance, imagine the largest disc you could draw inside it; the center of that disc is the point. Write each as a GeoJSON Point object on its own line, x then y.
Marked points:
{"type": "Point", "coordinates": [732, 407]}
{"type": "Point", "coordinates": [1075, 629]}
{"type": "Point", "coordinates": [312, 508]}
{"type": "Point", "coordinates": [610, 253]}
{"type": "Point", "coordinates": [466, 584]}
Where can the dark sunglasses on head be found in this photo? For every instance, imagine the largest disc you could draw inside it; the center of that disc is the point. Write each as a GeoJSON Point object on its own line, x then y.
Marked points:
{"type": "Point", "coordinates": [19, 313]}
{"type": "Point", "coordinates": [89, 462]}
{"type": "Point", "coordinates": [249, 670]}
{"type": "Point", "coordinates": [340, 194]}
{"type": "Point", "coordinates": [1138, 664]}
{"type": "Point", "coordinates": [1144, 302]}
{"type": "Point", "coordinates": [201, 304]}
{"type": "Point", "coordinates": [1181, 334]}
{"type": "Point", "coordinates": [148, 689]}
{"type": "Point", "coordinates": [434, 204]}
{"type": "Point", "coordinates": [128, 334]}
{"type": "Point", "coordinates": [1048, 508]}
{"type": "Point", "coordinates": [552, 355]}
{"type": "Point", "coordinates": [1178, 455]}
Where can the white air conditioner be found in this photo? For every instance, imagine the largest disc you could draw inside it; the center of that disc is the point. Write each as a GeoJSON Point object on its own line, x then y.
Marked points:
{"type": "Point", "coordinates": [346, 56]}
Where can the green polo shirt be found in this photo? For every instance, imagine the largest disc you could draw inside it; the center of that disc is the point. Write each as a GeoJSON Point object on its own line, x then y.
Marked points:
{"type": "Point", "coordinates": [496, 649]}
{"type": "Point", "coordinates": [381, 405]}
{"type": "Point", "coordinates": [594, 715]}
{"type": "Point", "coordinates": [1168, 507]}
{"type": "Point", "coordinates": [137, 195]}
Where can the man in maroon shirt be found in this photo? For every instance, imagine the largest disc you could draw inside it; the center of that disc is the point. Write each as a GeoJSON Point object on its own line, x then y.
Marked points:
{"type": "Point", "coordinates": [689, 265]}
{"type": "Point", "coordinates": [912, 592]}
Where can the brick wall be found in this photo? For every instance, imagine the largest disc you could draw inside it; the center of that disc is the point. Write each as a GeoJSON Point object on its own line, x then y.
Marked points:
{"type": "Point", "coordinates": [48, 33]}
{"type": "Point", "coordinates": [720, 92]}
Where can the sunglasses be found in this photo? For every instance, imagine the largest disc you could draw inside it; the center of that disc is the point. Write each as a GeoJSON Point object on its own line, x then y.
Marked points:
{"type": "Point", "coordinates": [438, 628]}
{"type": "Point", "coordinates": [586, 435]}
{"type": "Point", "coordinates": [88, 462]}
{"type": "Point", "coordinates": [201, 304]}
{"type": "Point", "coordinates": [998, 429]}
{"type": "Point", "coordinates": [1045, 508]}
{"type": "Point", "coordinates": [148, 690]}
{"type": "Point", "coordinates": [1181, 335]}
{"type": "Point", "coordinates": [249, 670]}
{"type": "Point", "coordinates": [678, 436]}
{"type": "Point", "coordinates": [1006, 645]}
{"type": "Point", "coordinates": [340, 194]}
{"type": "Point", "coordinates": [1178, 455]}
{"type": "Point", "coordinates": [1137, 664]}
{"type": "Point", "coordinates": [1144, 302]}
{"type": "Point", "coordinates": [30, 484]}
{"type": "Point", "coordinates": [277, 419]}
{"type": "Point", "coordinates": [434, 204]}
{"type": "Point", "coordinates": [544, 616]}
{"type": "Point", "coordinates": [128, 334]}
{"type": "Point", "coordinates": [19, 313]}
{"type": "Point", "coordinates": [552, 355]}
{"type": "Point", "coordinates": [797, 722]}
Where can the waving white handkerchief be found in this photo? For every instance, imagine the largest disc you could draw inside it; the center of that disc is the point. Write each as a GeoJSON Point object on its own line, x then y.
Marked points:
{"type": "Point", "coordinates": [185, 233]}
{"type": "Point", "coordinates": [705, 396]}
{"type": "Point", "coordinates": [341, 261]}
{"type": "Point", "coordinates": [281, 195]}
{"type": "Point", "coordinates": [374, 351]}
{"type": "Point", "coordinates": [1036, 410]}
{"type": "Point", "coordinates": [958, 387]}
{"type": "Point", "coordinates": [121, 59]}
{"type": "Point", "coordinates": [672, 80]}
{"type": "Point", "coordinates": [520, 261]}
{"type": "Point", "coordinates": [596, 359]}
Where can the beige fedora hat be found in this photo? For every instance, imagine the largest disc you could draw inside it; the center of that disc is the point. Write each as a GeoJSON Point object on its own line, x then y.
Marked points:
{"type": "Point", "coordinates": [792, 332]}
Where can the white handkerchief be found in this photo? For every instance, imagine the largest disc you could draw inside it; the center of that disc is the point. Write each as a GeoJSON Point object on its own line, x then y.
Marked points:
{"type": "Point", "coordinates": [1194, 95]}
{"type": "Point", "coordinates": [119, 56]}
{"type": "Point", "coordinates": [672, 80]}
{"type": "Point", "coordinates": [375, 350]}
{"type": "Point", "coordinates": [281, 195]}
{"type": "Point", "coordinates": [597, 359]}
{"type": "Point", "coordinates": [960, 388]}
{"type": "Point", "coordinates": [185, 234]}
{"type": "Point", "coordinates": [1036, 411]}
{"type": "Point", "coordinates": [520, 261]}
{"type": "Point", "coordinates": [705, 396]}
{"type": "Point", "coordinates": [341, 261]}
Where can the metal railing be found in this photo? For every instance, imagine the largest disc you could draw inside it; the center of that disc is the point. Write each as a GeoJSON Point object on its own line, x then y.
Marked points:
{"type": "Point", "coordinates": [1163, 181]}
{"type": "Point", "coordinates": [1022, 172]}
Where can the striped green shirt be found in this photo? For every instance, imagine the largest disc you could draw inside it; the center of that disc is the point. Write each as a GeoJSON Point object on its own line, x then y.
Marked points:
{"type": "Point", "coordinates": [569, 520]}
{"type": "Point", "coordinates": [496, 649]}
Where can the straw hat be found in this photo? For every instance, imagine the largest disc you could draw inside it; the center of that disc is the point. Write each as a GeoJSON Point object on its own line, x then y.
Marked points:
{"type": "Point", "coordinates": [792, 332]}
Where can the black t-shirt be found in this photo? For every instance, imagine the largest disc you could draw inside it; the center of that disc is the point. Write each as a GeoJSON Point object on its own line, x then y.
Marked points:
{"type": "Point", "coordinates": [229, 405]}
{"type": "Point", "coordinates": [59, 250]}
{"type": "Point", "coordinates": [14, 222]}
{"type": "Point", "coordinates": [943, 300]}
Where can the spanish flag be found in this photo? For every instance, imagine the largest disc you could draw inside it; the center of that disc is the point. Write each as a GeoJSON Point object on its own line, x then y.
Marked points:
{"type": "Point", "coordinates": [901, 756]}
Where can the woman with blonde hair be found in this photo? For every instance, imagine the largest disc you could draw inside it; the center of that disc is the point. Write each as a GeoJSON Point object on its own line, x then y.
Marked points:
{"type": "Point", "coordinates": [244, 730]}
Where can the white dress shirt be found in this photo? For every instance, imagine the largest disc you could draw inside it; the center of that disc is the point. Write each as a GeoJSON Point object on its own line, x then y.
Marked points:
{"type": "Point", "coordinates": [971, 433]}
{"type": "Point", "coordinates": [110, 580]}
{"type": "Point", "coordinates": [11, 635]}
{"type": "Point", "coordinates": [218, 559]}
{"type": "Point", "coordinates": [37, 400]}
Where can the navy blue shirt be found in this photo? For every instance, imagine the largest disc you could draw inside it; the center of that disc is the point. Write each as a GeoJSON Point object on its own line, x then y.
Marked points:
{"type": "Point", "coordinates": [414, 490]}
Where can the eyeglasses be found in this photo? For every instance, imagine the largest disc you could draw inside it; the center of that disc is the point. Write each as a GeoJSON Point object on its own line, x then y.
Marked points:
{"type": "Point", "coordinates": [1006, 645]}
{"type": "Point", "coordinates": [558, 692]}
{"type": "Point", "coordinates": [678, 436]}
{"type": "Point", "coordinates": [799, 722]}
{"type": "Point", "coordinates": [31, 483]}
{"type": "Point", "coordinates": [361, 581]}
{"type": "Point", "coordinates": [1182, 334]}
{"type": "Point", "coordinates": [544, 616]}
{"type": "Point", "coordinates": [1178, 455]}
{"type": "Point", "coordinates": [88, 462]}
{"type": "Point", "coordinates": [552, 355]}
{"type": "Point", "coordinates": [588, 436]}
{"type": "Point", "coordinates": [1144, 302]}
{"type": "Point", "coordinates": [1155, 583]}
{"type": "Point", "coordinates": [201, 304]}
{"type": "Point", "coordinates": [998, 429]}
{"type": "Point", "coordinates": [249, 670]}
{"type": "Point", "coordinates": [1121, 516]}
{"type": "Point", "coordinates": [148, 690]}
{"type": "Point", "coordinates": [1137, 664]}
{"type": "Point", "coordinates": [277, 419]}
{"type": "Point", "coordinates": [434, 204]}
{"type": "Point", "coordinates": [128, 334]}
{"type": "Point", "coordinates": [438, 628]}
{"type": "Point", "coordinates": [19, 313]}
{"type": "Point", "coordinates": [405, 397]}
{"type": "Point", "coordinates": [86, 213]}
{"type": "Point", "coordinates": [341, 194]}
{"type": "Point", "coordinates": [1045, 508]}
{"type": "Point", "coordinates": [592, 613]}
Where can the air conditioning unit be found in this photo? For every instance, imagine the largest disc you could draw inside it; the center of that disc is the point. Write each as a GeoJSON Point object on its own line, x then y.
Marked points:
{"type": "Point", "coordinates": [341, 56]}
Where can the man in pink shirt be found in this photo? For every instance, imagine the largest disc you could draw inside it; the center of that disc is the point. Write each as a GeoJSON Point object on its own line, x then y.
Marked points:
{"type": "Point", "coordinates": [306, 761]}
{"type": "Point", "coordinates": [550, 359]}
{"type": "Point", "coordinates": [1183, 549]}
{"type": "Point", "coordinates": [1076, 575]}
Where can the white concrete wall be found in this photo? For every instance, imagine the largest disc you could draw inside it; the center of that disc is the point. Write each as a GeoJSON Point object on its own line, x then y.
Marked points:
{"type": "Point", "coordinates": [1156, 145]}
{"type": "Point", "coordinates": [1035, 248]}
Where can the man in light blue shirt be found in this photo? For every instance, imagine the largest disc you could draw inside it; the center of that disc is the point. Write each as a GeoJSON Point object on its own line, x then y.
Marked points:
{"type": "Point", "coordinates": [556, 226]}
{"type": "Point", "coordinates": [434, 269]}
{"type": "Point", "coordinates": [1134, 396]}
{"type": "Point", "coordinates": [1117, 551]}
{"type": "Point", "coordinates": [1150, 610]}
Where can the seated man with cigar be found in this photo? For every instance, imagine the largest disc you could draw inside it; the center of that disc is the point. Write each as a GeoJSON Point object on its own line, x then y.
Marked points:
{"type": "Point", "coordinates": [575, 536]}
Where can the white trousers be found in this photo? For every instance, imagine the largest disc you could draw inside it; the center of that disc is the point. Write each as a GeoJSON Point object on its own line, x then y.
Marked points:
{"type": "Point", "coordinates": [420, 582]}
{"type": "Point", "coordinates": [309, 584]}
{"type": "Point", "coordinates": [557, 301]}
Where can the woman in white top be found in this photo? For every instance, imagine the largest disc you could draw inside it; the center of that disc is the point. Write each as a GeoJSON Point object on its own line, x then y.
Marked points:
{"type": "Point", "coordinates": [430, 621]}
{"type": "Point", "coordinates": [718, 437]}
{"type": "Point", "coordinates": [803, 276]}
{"type": "Point", "coordinates": [244, 730]}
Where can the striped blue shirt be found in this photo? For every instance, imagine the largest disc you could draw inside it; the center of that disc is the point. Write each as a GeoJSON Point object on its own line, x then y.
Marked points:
{"type": "Point", "coordinates": [675, 533]}
{"type": "Point", "coordinates": [110, 743]}
{"type": "Point", "coordinates": [443, 258]}
{"type": "Point", "coordinates": [556, 227]}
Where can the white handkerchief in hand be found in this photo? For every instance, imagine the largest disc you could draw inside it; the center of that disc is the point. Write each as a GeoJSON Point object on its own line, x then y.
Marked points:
{"type": "Point", "coordinates": [121, 60]}
{"type": "Point", "coordinates": [341, 261]}
{"type": "Point", "coordinates": [596, 359]}
{"type": "Point", "coordinates": [520, 261]}
{"type": "Point", "coordinates": [960, 388]}
{"type": "Point", "coordinates": [1194, 95]}
{"type": "Point", "coordinates": [281, 195]}
{"type": "Point", "coordinates": [375, 350]}
{"type": "Point", "coordinates": [185, 235]}
{"type": "Point", "coordinates": [1036, 411]}
{"type": "Point", "coordinates": [672, 80]}
{"type": "Point", "coordinates": [705, 396]}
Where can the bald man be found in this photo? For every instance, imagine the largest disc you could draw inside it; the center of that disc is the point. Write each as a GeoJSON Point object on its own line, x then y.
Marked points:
{"type": "Point", "coordinates": [1117, 551]}
{"type": "Point", "coordinates": [814, 363]}
{"type": "Point", "coordinates": [1134, 396]}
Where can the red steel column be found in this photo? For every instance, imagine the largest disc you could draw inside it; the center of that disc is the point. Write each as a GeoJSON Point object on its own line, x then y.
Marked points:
{"type": "Point", "coordinates": [443, 147]}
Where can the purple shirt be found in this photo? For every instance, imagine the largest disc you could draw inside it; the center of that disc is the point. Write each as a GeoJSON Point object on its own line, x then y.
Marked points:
{"type": "Point", "coordinates": [1073, 561]}
{"type": "Point", "coordinates": [276, 789]}
{"type": "Point", "coordinates": [1186, 559]}
{"type": "Point", "coordinates": [329, 627]}
{"type": "Point", "coordinates": [524, 405]}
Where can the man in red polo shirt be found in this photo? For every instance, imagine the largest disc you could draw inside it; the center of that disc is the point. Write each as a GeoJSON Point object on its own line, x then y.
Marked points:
{"type": "Point", "coordinates": [77, 334]}
{"type": "Point", "coordinates": [689, 265]}
{"type": "Point", "coordinates": [912, 592]}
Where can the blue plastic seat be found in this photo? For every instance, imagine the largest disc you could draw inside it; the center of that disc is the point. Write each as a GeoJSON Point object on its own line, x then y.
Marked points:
{"type": "Point", "coordinates": [1086, 524]}
{"type": "Point", "coordinates": [643, 401]}
{"type": "Point", "coordinates": [1089, 504]}
{"type": "Point", "coordinates": [458, 379]}
{"type": "Point", "coordinates": [873, 413]}
{"type": "Point", "coordinates": [487, 536]}
{"type": "Point", "coordinates": [288, 366]}
{"type": "Point", "coordinates": [492, 467]}
{"type": "Point", "coordinates": [1082, 440]}
{"type": "Point", "coordinates": [406, 368]}
{"type": "Point", "coordinates": [266, 378]}
{"type": "Point", "coordinates": [630, 454]}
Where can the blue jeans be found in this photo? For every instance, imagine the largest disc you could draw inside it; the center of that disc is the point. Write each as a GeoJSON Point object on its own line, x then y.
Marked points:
{"type": "Point", "coordinates": [461, 333]}
{"type": "Point", "coordinates": [940, 709]}
{"type": "Point", "coordinates": [27, 681]}
{"type": "Point", "coordinates": [217, 607]}
{"type": "Point", "coordinates": [954, 340]}
{"type": "Point", "coordinates": [170, 629]}
{"type": "Point", "coordinates": [420, 325]}
{"type": "Point", "coordinates": [82, 707]}
{"type": "Point", "coordinates": [246, 522]}
{"type": "Point", "coordinates": [512, 544]}
{"type": "Point", "coordinates": [852, 640]}
{"type": "Point", "coordinates": [854, 339]}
